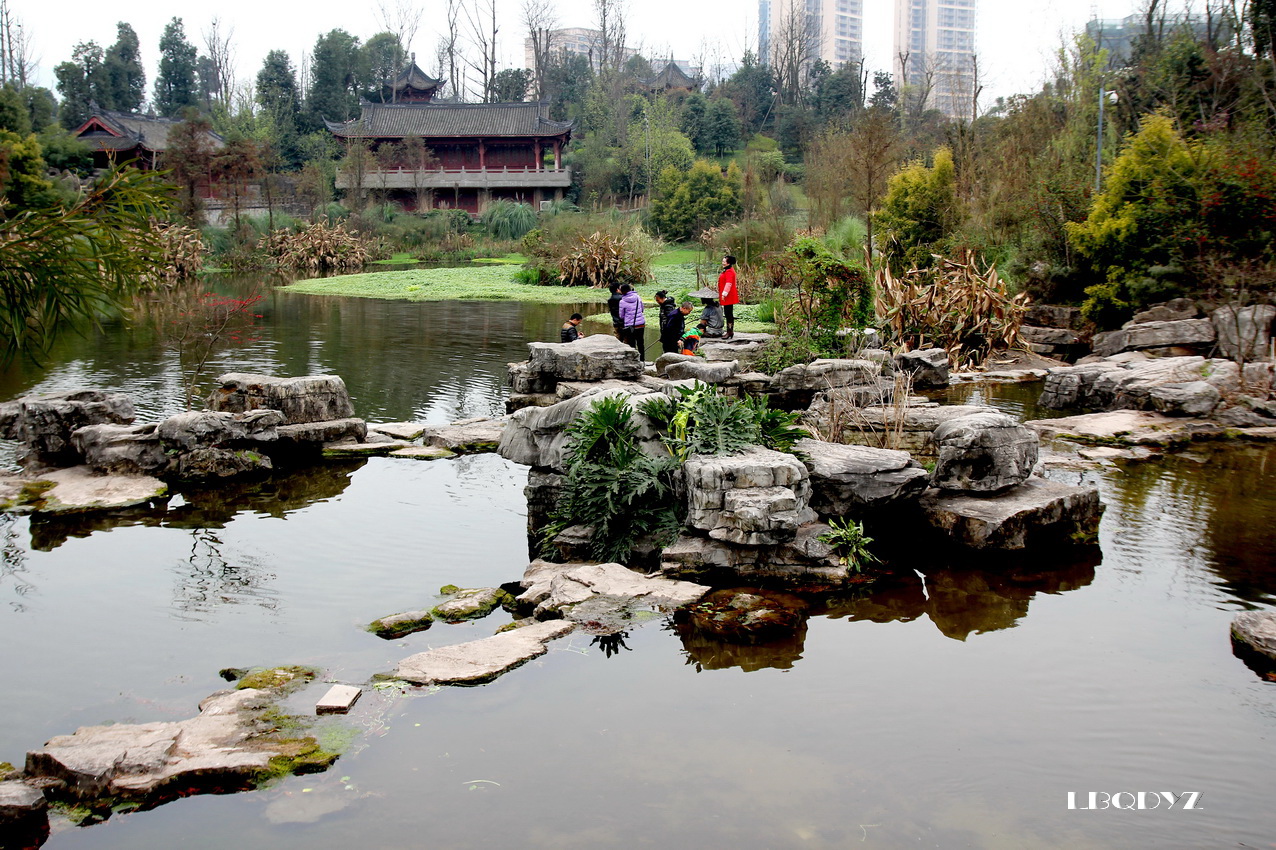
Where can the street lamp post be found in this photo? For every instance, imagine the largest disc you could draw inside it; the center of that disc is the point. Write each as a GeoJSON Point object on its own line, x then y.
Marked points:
{"type": "Point", "coordinates": [1098, 154]}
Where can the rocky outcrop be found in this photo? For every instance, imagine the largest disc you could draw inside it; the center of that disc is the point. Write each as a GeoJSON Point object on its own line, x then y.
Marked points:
{"type": "Point", "coordinates": [1256, 630]}
{"type": "Point", "coordinates": [310, 398]}
{"type": "Point", "coordinates": [1128, 427]}
{"type": "Point", "coordinates": [795, 387]}
{"type": "Point", "coordinates": [599, 357]}
{"type": "Point", "coordinates": [1245, 333]}
{"type": "Point", "coordinates": [466, 436]}
{"type": "Point", "coordinates": [1128, 381]}
{"type": "Point", "coordinates": [45, 423]}
{"type": "Point", "coordinates": [928, 366]}
{"type": "Point", "coordinates": [1053, 316]}
{"type": "Point", "coordinates": [556, 589]}
{"type": "Point", "coordinates": [1038, 511]}
{"type": "Point", "coordinates": [536, 436]}
{"type": "Point", "coordinates": [704, 371]}
{"type": "Point", "coordinates": [756, 498]}
{"type": "Point", "coordinates": [1174, 310]}
{"type": "Point", "coordinates": [1183, 337]}
{"type": "Point", "coordinates": [122, 449]}
{"type": "Point", "coordinates": [903, 426]}
{"type": "Point", "coordinates": [984, 452]}
{"type": "Point", "coordinates": [224, 747]}
{"type": "Point", "coordinates": [469, 603]}
{"type": "Point", "coordinates": [853, 480]}
{"type": "Point", "coordinates": [1190, 398]}
{"type": "Point", "coordinates": [483, 660]}
{"type": "Point", "coordinates": [311, 436]}
{"type": "Point", "coordinates": [804, 561]}
{"type": "Point", "coordinates": [1052, 342]}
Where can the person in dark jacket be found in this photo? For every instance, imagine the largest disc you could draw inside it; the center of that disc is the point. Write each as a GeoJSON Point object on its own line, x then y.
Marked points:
{"type": "Point", "coordinates": [570, 331]}
{"type": "Point", "coordinates": [613, 306]}
{"type": "Point", "coordinates": [670, 340]}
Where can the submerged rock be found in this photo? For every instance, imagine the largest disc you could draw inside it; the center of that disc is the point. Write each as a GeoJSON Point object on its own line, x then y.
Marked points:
{"type": "Point", "coordinates": [483, 660]}
{"type": "Point", "coordinates": [208, 463]}
{"type": "Point", "coordinates": [1038, 511]}
{"type": "Point", "coordinates": [983, 452]}
{"type": "Point", "coordinates": [470, 603]}
{"type": "Point", "coordinates": [367, 449]}
{"type": "Point", "coordinates": [747, 616]}
{"type": "Point", "coordinates": [78, 489]}
{"type": "Point", "coordinates": [20, 803]}
{"type": "Point", "coordinates": [849, 480]}
{"type": "Point", "coordinates": [400, 625]}
{"type": "Point", "coordinates": [580, 582]}
{"type": "Point", "coordinates": [1256, 630]}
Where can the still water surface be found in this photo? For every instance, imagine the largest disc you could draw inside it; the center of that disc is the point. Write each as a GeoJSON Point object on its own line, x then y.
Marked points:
{"type": "Point", "coordinates": [953, 708]}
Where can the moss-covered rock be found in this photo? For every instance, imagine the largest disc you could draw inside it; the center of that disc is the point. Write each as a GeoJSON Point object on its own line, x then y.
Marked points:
{"type": "Point", "coordinates": [284, 678]}
{"type": "Point", "coordinates": [398, 625]}
{"type": "Point", "coordinates": [470, 603]}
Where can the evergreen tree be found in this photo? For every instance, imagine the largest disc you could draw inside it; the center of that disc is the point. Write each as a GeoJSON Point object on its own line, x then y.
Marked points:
{"type": "Point", "coordinates": [334, 79]}
{"type": "Point", "coordinates": [751, 88]}
{"type": "Point", "coordinates": [510, 85]}
{"type": "Point", "coordinates": [567, 80]}
{"type": "Point", "coordinates": [175, 86]}
{"type": "Point", "coordinates": [383, 58]}
{"type": "Point", "coordinates": [839, 95]}
{"type": "Point", "coordinates": [277, 96]}
{"type": "Point", "coordinates": [125, 78]}
{"type": "Point", "coordinates": [722, 126]}
{"type": "Point", "coordinates": [693, 122]}
{"type": "Point", "coordinates": [80, 81]}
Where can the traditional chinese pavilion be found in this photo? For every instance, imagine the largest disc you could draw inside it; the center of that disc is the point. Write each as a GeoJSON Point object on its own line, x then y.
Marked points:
{"type": "Point", "coordinates": [481, 152]}
{"type": "Point", "coordinates": [122, 137]}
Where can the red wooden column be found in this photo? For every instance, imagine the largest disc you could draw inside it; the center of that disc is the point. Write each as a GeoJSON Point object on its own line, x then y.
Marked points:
{"type": "Point", "coordinates": [558, 156]}
{"type": "Point", "coordinates": [482, 156]}
{"type": "Point", "coordinates": [540, 160]}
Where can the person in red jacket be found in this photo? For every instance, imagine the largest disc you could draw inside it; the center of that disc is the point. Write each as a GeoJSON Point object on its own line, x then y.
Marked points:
{"type": "Point", "coordinates": [728, 294]}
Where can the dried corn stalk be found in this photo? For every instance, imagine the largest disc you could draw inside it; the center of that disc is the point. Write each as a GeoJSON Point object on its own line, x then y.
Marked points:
{"type": "Point", "coordinates": [953, 306]}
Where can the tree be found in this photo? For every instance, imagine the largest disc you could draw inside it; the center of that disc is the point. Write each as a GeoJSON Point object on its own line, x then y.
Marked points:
{"type": "Point", "coordinates": [885, 96]}
{"type": "Point", "coordinates": [511, 85]}
{"type": "Point", "coordinates": [23, 184]}
{"type": "Point", "coordinates": [175, 85]}
{"type": "Point", "coordinates": [610, 22]}
{"type": "Point", "coordinates": [334, 78]}
{"type": "Point", "coordinates": [13, 111]}
{"type": "Point", "coordinates": [276, 93]}
{"type": "Point", "coordinates": [840, 95]}
{"type": "Point", "coordinates": [794, 42]}
{"type": "Point", "coordinates": [874, 146]}
{"type": "Point", "coordinates": [238, 162]}
{"type": "Point", "coordinates": [125, 86]}
{"type": "Point", "coordinates": [750, 87]}
{"type": "Point", "coordinates": [17, 65]}
{"type": "Point", "coordinates": [919, 213]}
{"type": "Point", "coordinates": [447, 52]}
{"type": "Point", "coordinates": [692, 122]}
{"type": "Point", "coordinates": [481, 22]}
{"type": "Point", "coordinates": [689, 202]}
{"type": "Point", "coordinates": [540, 20]}
{"type": "Point", "coordinates": [190, 156]}
{"type": "Point", "coordinates": [722, 126]}
{"type": "Point", "coordinates": [62, 267]}
{"type": "Point", "coordinates": [219, 70]}
{"type": "Point", "coordinates": [383, 58]}
{"type": "Point", "coordinates": [568, 78]}
{"type": "Point", "coordinates": [80, 82]}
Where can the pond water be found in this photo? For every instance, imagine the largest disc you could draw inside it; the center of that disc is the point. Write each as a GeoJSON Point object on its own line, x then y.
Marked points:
{"type": "Point", "coordinates": [954, 707]}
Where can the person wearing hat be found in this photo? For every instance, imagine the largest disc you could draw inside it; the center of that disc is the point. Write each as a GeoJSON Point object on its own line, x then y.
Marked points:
{"type": "Point", "coordinates": [728, 294]}
{"type": "Point", "coordinates": [670, 336]}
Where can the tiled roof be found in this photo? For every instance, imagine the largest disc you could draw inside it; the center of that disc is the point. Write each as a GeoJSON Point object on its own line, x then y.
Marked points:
{"type": "Point", "coordinates": [444, 120]}
{"type": "Point", "coordinates": [150, 132]}
{"type": "Point", "coordinates": [414, 77]}
{"type": "Point", "coordinates": [671, 76]}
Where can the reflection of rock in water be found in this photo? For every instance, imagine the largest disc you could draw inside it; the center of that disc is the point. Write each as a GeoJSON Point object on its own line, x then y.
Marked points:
{"type": "Point", "coordinates": [13, 562]}
{"type": "Point", "coordinates": [210, 507]}
{"type": "Point", "coordinates": [747, 628]}
{"type": "Point", "coordinates": [901, 598]}
{"type": "Point", "coordinates": [964, 600]}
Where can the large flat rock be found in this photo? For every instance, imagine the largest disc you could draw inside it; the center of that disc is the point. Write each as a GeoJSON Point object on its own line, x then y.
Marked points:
{"type": "Point", "coordinates": [1037, 511]}
{"type": "Point", "coordinates": [598, 357]}
{"type": "Point", "coordinates": [1257, 630]}
{"type": "Point", "coordinates": [80, 489]}
{"type": "Point", "coordinates": [848, 480]}
{"type": "Point", "coordinates": [20, 802]}
{"type": "Point", "coordinates": [466, 436]}
{"type": "Point", "coordinates": [483, 660]}
{"type": "Point", "coordinates": [583, 582]}
{"type": "Point", "coordinates": [1124, 427]}
{"type": "Point", "coordinates": [309, 398]}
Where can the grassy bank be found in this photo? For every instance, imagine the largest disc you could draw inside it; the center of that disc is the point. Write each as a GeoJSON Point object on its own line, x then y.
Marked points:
{"type": "Point", "coordinates": [496, 283]}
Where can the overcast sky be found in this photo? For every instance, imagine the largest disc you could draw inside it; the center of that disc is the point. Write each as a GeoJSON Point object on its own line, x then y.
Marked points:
{"type": "Point", "coordinates": [1017, 38]}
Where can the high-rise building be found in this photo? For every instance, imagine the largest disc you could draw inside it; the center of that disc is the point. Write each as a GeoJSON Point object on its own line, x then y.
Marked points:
{"type": "Point", "coordinates": [935, 53]}
{"type": "Point", "coordinates": [832, 30]}
{"type": "Point", "coordinates": [580, 40]}
{"type": "Point", "coordinates": [1119, 35]}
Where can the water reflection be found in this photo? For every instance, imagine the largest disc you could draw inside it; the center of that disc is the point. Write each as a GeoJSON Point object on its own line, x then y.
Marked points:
{"type": "Point", "coordinates": [13, 562]}
{"type": "Point", "coordinates": [207, 507]}
{"type": "Point", "coordinates": [210, 578]}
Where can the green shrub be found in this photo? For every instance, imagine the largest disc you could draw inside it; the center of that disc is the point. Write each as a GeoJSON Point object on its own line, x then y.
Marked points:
{"type": "Point", "coordinates": [848, 538]}
{"type": "Point", "coordinates": [590, 250]}
{"type": "Point", "coordinates": [508, 220]}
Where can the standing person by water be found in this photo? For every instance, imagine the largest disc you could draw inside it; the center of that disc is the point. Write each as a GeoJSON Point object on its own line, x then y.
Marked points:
{"type": "Point", "coordinates": [670, 340]}
{"type": "Point", "coordinates": [633, 323]}
{"type": "Point", "coordinates": [570, 332]}
{"type": "Point", "coordinates": [728, 294]}
{"type": "Point", "coordinates": [613, 307]}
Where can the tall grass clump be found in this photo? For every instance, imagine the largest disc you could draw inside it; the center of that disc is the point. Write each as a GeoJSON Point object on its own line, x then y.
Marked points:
{"type": "Point", "coordinates": [508, 220]}
{"type": "Point", "coordinates": [576, 249]}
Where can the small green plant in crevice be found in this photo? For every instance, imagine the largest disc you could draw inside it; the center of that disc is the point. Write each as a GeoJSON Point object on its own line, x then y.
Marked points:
{"type": "Point", "coordinates": [612, 486]}
{"type": "Point", "coordinates": [847, 537]}
{"type": "Point", "coordinates": [703, 421]}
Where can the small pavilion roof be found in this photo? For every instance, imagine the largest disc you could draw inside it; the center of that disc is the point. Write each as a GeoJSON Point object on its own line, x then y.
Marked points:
{"type": "Point", "coordinates": [671, 77]}
{"type": "Point", "coordinates": [412, 77]}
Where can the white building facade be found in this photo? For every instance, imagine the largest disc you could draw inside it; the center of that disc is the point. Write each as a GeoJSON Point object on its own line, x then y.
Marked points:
{"type": "Point", "coordinates": [935, 53]}
{"type": "Point", "coordinates": [834, 28]}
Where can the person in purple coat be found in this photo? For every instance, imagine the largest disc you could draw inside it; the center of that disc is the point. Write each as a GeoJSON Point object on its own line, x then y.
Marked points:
{"type": "Point", "coordinates": [632, 322]}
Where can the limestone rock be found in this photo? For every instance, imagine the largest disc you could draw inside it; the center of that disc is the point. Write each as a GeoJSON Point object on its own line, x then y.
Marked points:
{"type": "Point", "coordinates": [517, 401]}
{"type": "Point", "coordinates": [1129, 427]}
{"type": "Point", "coordinates": [1052, 316]}
{"type": "Point", "coordinates": [1128, 380]}
{"type": "Point", "coordinates": [77, 489]}
{"type": "Point", "coordinates": [1038, 511]}
{"type": "Point", "coordinates": [616, 584]}
{"type": "Point", "coordinates": [313, 435]}
{"type": "Point", "coordinates": [1193, 398]}
{"type": "Point", "coordinates": [536, 436]}
{"type": "Point", "coordinates": [1174, 310]}
{"type": "Point", "coordinates": [794, 388]}
{"type": "Point", "coordinates": [1257, 630]}
{"type": "Point", "coordinates": [137, 761]}
{"type": "Point", "coordinates": [742, 348]}
{"type": "Point", "coordinates": [756, 498]}
{"type": "Point", "coordinates": [1188, 334]}
{"type": "Point", "coordinates": [984, 452]}
{"type": "Point", "coordinates": [903, 426]}
{"type": "Point", "coordinates": [849, 480]}
{"type": "Point", "coordinates": [483, 660]}
{"type": "Point", "coordinates": [399, 430]}
{"type": "Point", "coordinates": [311, 398]}
{"type": "Point", "coordinates": [466, 436]}
{"type": "Point", "coordinates": [542, 490]}
{"type": "Point", "coordinates": [664, 361]}
{"type": "Point", "coordinates": [699, 369]}
{"type": "Point", "coordinates": [196, 429]}
{"type": "Point", "coordinates": [523, 381]}
{"type": "Point", "coordinates": [121, 449]}
{"type": "Point", "coordinates": [1048, 336]}
{"type": "Point", "coordinates": [20, 802]}
{"type": "Point", "coordinates": [805, 561]}
{"type": "Point", "coordinates": [422, 453]}
{"type": "Point", "coordinates": [748, 616]}
{"type": "Point", "coordinates": [372, 447]}
{"type": "Point", "coordinates": [598, 357]}
{"type": "Point", "coordinates": [1245, 333]}
{"type": "Point", "coordinates": [45, 423]}
{"type": "Point", "coordinates": [928, 366]}
{"type": "Point", "coordinates": [209, 463]}
{"type": "Point", "coordinates": [402, 624]}
{"type": "Point", "coordinates": [470, 603]}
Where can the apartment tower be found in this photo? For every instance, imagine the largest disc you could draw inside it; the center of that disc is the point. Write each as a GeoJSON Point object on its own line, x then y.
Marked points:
{"type": "Point", "coordinates": [935, 53]}
{"type": "Point", "coordinates": [833, 29]}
